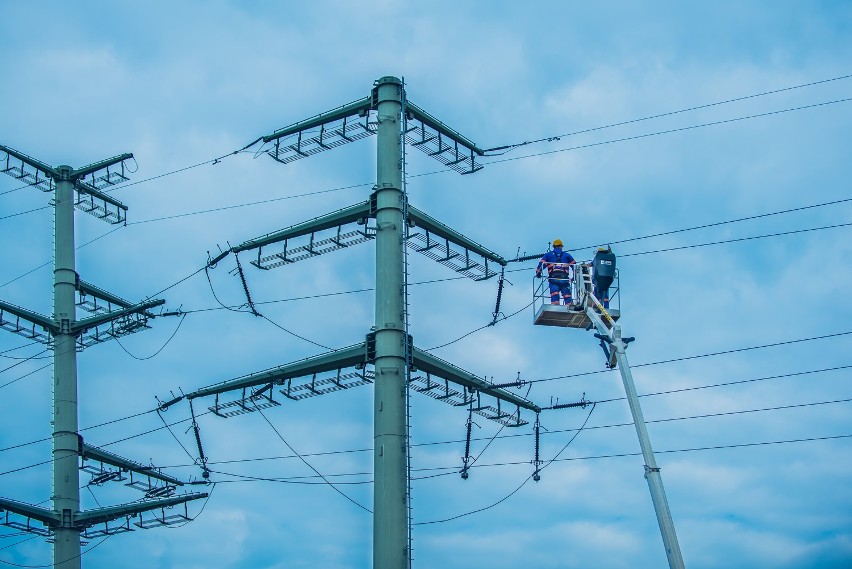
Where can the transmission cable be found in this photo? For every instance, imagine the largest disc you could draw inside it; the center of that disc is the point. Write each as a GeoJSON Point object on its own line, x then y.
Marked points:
{"type": "Point", "coordinates": [554, 138]}
{"type": "Point", "coordinates": [511, 159]}
{"type": "Point", "coordinates": [516, 490]}
{"type": "Point", "coordinates": [182, 318]}
{"type": "Point", "coordinates": [335, 488]}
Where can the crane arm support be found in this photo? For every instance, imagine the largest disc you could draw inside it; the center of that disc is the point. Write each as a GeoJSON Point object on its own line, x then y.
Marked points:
{"type": "Point", "coordinates": [337, 218]}
{"type": "Point", "coordinates": [110, 513]}
{"type": "Point", "coordinates": [428, 363]}
{"type": "Point", "coordinates": [342, 358]}
{"type": "Point", "coordinates": [435, 227]}
{"type": "Point", "coordinates": [339, 113]}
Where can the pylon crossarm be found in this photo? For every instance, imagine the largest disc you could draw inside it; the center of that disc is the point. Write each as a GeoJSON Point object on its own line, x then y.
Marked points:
{"type": "Point", "coordinates": [89, 452]}
{"type": "Point", "coordinates": [345, 357]}
{"type": "Point", "coordinates": [435, 228]}
{"type": "Point", "coordinates": [351, 214]}
{"type": "Point", "coordinates": [110, 513]}
{"type": "Point", "coordinates": [32, 317]}
{"type": "Point", "coordinates": [98, 319]}
{"type": "Point", "coordinates": [101, 165]}
{"type": "Point", "coordinates": [47, 517]}
{"type": "Point", "coordinates": [427, 363]}
{"type": "Point", "coordinates": [417, 113]}
{"type": "Point", "coordinates": [439, 141]}
{"type": "Point", "coordinates": [109, 299]}
{"type": "Point", "coordinates": [96, 203]}
{"type": "Point", "coordinates": [45, 170]}
{"type": "Point", "coordinates": [352, 109]}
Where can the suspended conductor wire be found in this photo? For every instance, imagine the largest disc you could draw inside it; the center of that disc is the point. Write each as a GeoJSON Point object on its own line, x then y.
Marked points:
{"type": "Point", "coordinates": [591, 145]}
{"type": "Point", "coordinates": [82, 553]}
{"type": "Point", "coordinates": [516, 490]}
{"type": "Point", "coordinates": [24, 360]}
{"type": "Point", "coordinates": [674, 130]}
{"type": "Point", "coordinates": [481, 327]}
{"type": "Point", "coordinates": [8, 383]}
{"type": "Point", "coordinates": [451, 470]}
{"type": "Point", "coordinates": [201, 511]}
{"type": "Point", "coordinates": [168, 427]}
{"type": "Point", "coordinates": [335, 488]}
{"type": "Point", "coordinates": [553, 138]}
{"type": "Point", "coordinates": [78, 247]}
{"type": "Point", "coordinates": [308, 340]}
{"type": "Point", "coordinates": [183, 316]}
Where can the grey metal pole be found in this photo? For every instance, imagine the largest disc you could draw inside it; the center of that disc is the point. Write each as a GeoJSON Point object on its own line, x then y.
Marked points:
{"type": "Point", "coordinates": [66, 476]}
{"type": "Point", "coordinates": [390, 541]}
{"type": "Point", "coordinates": [652, 472]}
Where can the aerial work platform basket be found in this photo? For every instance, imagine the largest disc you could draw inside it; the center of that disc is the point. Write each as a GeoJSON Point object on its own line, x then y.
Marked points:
{"type": "Point", "coordinates": [574, 316]}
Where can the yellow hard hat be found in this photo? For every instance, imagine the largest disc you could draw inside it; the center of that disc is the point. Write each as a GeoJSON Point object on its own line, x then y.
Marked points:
{"type": "Point", "coordinates": [557, 242]}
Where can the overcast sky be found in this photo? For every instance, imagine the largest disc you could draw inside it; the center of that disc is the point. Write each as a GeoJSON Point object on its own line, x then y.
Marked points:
{"type": "Point", "coordinates": [757, 471]}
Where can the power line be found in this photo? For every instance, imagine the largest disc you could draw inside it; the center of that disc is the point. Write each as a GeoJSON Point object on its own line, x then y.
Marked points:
{"type": "Point", "coordinates": [698, 356]}
{"type": "Point", "coordinates": [525, 435]}
{"type": "Point", "coordinates": [556, 137]}
{"type": "Point", "coordinates": [308, 464]}
{"type": "Point", "coordinates": [590, 145]}
{"type": "Point", "coordinates": [182, 318]}
{"type": "Point", "coordinates": [516, 490]}
{"type": "Point", "coordinates": [670, 131]}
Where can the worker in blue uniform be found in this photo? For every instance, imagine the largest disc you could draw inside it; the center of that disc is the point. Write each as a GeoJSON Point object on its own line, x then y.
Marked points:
{"type": "Point", "coordinates": [558, 264]}
{"type": "Point", "coordinates": [603, 273]}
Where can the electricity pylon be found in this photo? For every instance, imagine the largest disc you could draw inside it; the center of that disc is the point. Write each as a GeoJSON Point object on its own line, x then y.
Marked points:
{"type": "Point", "coordinates": [66, 335]}
{"type": "Point", "coordinates": [388, 348]}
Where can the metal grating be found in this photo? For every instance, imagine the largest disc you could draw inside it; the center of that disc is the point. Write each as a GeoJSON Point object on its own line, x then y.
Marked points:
{"type": "Point", "coordinates": [109, 178]}
{"type": "Point", "coordinates": [107, 530]}
{"type": "Point", "coordinates": [312, 248]}
{"type": "Point", "coordinates": [30, 330]}
{"type": "Point", "coordinates": [443, 149]}
{"type": "Point", "coordinates": [457, 258]}
{"type": "Point", "coordinates": [118, 328]}
{"type": "Point", "coordinates": [27, 174]}
{"type": "Point", "coordinates": [440, 390]}
{"type": "Point", "coordinates": [326, 385]}
{"type": "Point", "coordinates": [500, 416]}
{"type": "Point", "coordinates": [162, 520]}
{"type": "Point", "coordinates": [98, 207]}
{"type": "Point", "coordinates": [331, 135]}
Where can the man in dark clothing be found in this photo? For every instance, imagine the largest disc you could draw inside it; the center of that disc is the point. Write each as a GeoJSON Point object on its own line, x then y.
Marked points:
{"type": "Point", "coordinates": [603, 267]}
{"type": "Point", "coordinates": [558, 264]}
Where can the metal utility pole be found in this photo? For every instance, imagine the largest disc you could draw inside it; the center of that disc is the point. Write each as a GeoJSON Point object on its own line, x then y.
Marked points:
{"type": "Point", "coordinates": [603, 319]}
{"type": "Point", "coordinates": [66, 476]}
{"type": "Point", "coordinates": [389, 458]}
{"type": "Point", "coordinates": [66, 335]}
{"type": "Point", "coordinates": [388, 347]}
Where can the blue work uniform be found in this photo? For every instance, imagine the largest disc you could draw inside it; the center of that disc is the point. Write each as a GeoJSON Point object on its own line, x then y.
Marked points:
{"type": "Point", "coordinates": [558, 264]}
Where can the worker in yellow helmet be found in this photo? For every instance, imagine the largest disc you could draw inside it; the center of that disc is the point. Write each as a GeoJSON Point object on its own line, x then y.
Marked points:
{"type": "Point", "coordinates": [558, 264]}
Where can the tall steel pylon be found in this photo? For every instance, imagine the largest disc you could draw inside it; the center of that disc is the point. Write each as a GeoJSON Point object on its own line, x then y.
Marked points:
{"type": "Point", "coordinates": [65, 334]}
{"type": "Point", "coordinates": [398, 366]}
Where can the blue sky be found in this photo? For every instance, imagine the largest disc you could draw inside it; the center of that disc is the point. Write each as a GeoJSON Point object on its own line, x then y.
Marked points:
{"type": "Point", "coordinates": [181, 84]}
